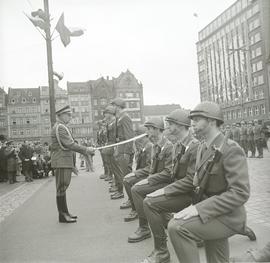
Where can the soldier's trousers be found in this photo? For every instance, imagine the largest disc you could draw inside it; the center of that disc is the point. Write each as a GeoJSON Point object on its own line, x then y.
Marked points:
{"type": "Point", "coordinates": [259, 146]}
{"type": "Point", "coordinates": [121, 166]}
{"type": "Point", "coordinates": [185, 233]}
{"type": "Point", "coordinates": [158, 210]}
{"type": "Point", "coordinates": [251, 147]}
{"type": "Point", "coordinates": [103, 163]}
{"type": "Point", "coordinates": [139, 192]}
{"type": "Point", "coordinates": [62, 180]}
{"type": "Point", "coordinates": [243, 144]}
{"type": "Point", "coordinates": [107, 160]}
{"type": "Point", "coordinates": [128, 183]}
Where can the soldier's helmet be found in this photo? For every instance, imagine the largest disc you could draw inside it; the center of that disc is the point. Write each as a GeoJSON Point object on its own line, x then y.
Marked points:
{"type": "Point", "coordinates": [250, 122]}
{"type": "Point", "coordinates": [180, 117]}
{"type": "Point", "coordinates": [256, 121]}
{"type": "Point", "coordinates": [140, 130]}
{"type": "Point", "coordinates": [109, 109]}
{"type": "Point", "coordinates": [118, 102]}
{"type": "Point", "coordinates": [243, 122]}
{"type": "Point", "coordinates": [156, 122]}
{"type": "Point", "coordinates": [208, 109]}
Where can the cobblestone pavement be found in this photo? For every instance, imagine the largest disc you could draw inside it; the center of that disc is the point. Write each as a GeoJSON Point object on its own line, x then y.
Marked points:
{"type": "Point", "coordinates": [13, 199]}
{"type": "Point", "coordinates": [258, 205]}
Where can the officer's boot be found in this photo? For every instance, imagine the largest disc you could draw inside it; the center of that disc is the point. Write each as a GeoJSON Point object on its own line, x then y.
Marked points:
{"type": "Point", "coordinates": [63, 216]}
{"type": "Point", "coordinates": [161, 253]}
{"type": "Point", "coordinates": [66, 208]}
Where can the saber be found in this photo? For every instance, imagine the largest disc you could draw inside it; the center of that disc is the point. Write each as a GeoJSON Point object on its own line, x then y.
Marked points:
{"type": "Point", "coordinates": [123, 142]}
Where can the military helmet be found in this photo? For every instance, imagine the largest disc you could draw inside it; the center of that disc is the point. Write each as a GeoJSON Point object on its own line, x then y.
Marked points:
{"type": "Point", "coordinates": [207, 109]}
{"type": "Point", "coordinates": [180, 117]}
{"type": "Point", "coordinates": [119, 102]}
{"type": "Point", "coordinates": [250, 122]}
{"type": "Point", "coordinates": [156, 122]}
{"type": "Point", "coordinates": [109, 109]}
{"type": "Point", "coordinates": [242, 122]}
{"type": "Point", "coordinates": [256, 120]}
{"type": "Point", "coordinates": [140, 130]}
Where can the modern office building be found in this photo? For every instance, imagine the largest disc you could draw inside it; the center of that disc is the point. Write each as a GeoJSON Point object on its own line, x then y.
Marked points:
{"type": "Point", "coordinates": [233, 60]}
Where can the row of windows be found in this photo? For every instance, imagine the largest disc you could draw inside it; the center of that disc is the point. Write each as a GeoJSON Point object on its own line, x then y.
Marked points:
{"type": "Point", "coordinates": [129, 95]}
{"type": "Point", "coordinates": [256, 52]}
{"type": "Point", "coordinates": [80, 109]}
{"type": "Point", "coordinates": [133, 104]}
{"type": "Point", "coordinates": [22, 121]}
{"type": "Point", "coordinates": [227, 15]}
{"type": "Point", "coordinates": [246, 112]}
{"type": "Point", "coordinates": [23, 100]}
{"type": "Point", "coordinates": [102, 102]}
{"type": "Point", "coordinates": [258, 80]}
{"type": "Point", "coordinates": [258, 94]}
{"type": "Point", "coordinates": [26, 109]}
{"type": "Point", "coordinates": [257, 66]}
{"type": "Point", "coordinates": [27, 132]}
{"type": "Point", "coordinates": [82, 120]}
{"type": "Point", "coordinates": [79, 98]}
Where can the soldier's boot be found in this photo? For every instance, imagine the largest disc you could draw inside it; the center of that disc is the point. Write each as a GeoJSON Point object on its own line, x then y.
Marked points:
{"type": "Point", "coordinates": [143, 232]}
{"type": "Point", "coordinates": [161, 253]}
{"type": "Point", "coordinates": [66, 208]}
{"type": "Point", "coordinates": [63, 216]}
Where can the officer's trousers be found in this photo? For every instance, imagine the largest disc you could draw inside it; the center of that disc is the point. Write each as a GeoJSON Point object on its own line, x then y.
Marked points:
{"type": "Point", "coordinates": [122, 165]}
{"type": "Point", "coordinates": [185, 233]}
{"type": "Point", "coordinates": [157, 208]}
{"type": "Point", "coordinates": [139, 192]}
{"type": "Point", "coordinates": [62, 180]}
{"type": "Point", "coordinates": [128, 183]}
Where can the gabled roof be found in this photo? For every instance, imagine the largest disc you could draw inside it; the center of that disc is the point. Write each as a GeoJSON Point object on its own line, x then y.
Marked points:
{"type": "Point", "coordinates": [24, 96]}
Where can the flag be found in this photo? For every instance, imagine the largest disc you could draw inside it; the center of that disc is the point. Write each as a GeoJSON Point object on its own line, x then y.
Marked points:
{"type": "Point", "coordinates": [37, 21]}
{"type": "Point", "coordinates": [67, 32]}
{"type": "Point", "coordinates": [63, 31]}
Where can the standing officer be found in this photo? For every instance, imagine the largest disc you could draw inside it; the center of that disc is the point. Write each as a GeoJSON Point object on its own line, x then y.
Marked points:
{"type": "Point", "coordinates": [168, 199]}
{"type": "Point", "coordinates": [123, 154]}
{"type": "Point", "coordinates": [258, 138]}
{"type": "Point", "coordinates": [62, 160]}
{"type": "Point", "coordinates": [235, 133]}
{"type": "Point", "coordinates": [243, 137]}
{"type": "Point", "coordinates": [250, 139]}
{"type": "Point", "coordinates": [159, 177]}
{"type": "Point", "coordinates": [143, 162]}
{"type": "Point", "coordinates": [221, 213]}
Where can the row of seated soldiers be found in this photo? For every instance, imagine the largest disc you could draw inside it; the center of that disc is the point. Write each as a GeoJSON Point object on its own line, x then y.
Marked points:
{"type": "Point", "coordinates": [250, 136]}
{"type": "Point", "coordinates": [165, 162]}
{"type": "Point", "coordinates": [31, 159]}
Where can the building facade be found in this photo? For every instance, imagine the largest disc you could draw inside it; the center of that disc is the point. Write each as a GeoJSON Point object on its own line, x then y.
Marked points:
{"type": "Point", "coordinates": [3, 113]}
{"type": "Point", "coordinates": [23, 114]}
{"type": "Point", "coordinates": [232, 53]}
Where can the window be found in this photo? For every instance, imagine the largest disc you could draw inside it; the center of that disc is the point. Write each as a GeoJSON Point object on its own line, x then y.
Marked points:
{"type": "Point", "coordinates": [95, 102]}
{"type": "Point", "coordinates": [29, 94]}
{"type": "Point", "coordinates": [250, 113]}
{"type": "Point", "coordinates": [23, 100]}
{"type": "Point", "coordinates": [34, 100]}
{"type": "Point", "coordinates": [262, 109]}
{"type": "Point", "coordinates": [229, 115]}
{"type": "Point", "coordinates": [256, 110]}
{"type": "Point", "coordinates": [28, 121]}
{"type": "Point", "coordinates": [14, 122]}
{"type": "Point", "coordinates": [257, 66]}
{"type": "Point", "coordinates": [234, 114]}
{"type": "Point", "coordinates": [14, 132]}
{"type": "Point", "coordinates": [255, 38]}
{"type": "Point", "coordinates": [254, 24]}
{"type": "Point", "coordinates": [103, 101]}
{"type": "Point", "coordinates": [256, 52]}
{"type": "Point", "coordinates": [239, 114]}
{"type": "Point", "coordinates": [96, 113]}
{"type": "Point", "coordinates": [12, 101]}
{"type": "Point", "coordinates": [244, 113]}
{"type": "Point", "coordinates": [258, 80]}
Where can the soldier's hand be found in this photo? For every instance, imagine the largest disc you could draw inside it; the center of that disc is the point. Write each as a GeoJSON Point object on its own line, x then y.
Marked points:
{"type": "Point", "coordinates": [156, 193]}
{"type": "Point", "coordinates": [142, 182]}
{"type": "Point", "coordinates": [186, 213]}
{"type": "Point", "coordinates": [90, 150]}
{"type": "Point", "coordinates": [130, 175]}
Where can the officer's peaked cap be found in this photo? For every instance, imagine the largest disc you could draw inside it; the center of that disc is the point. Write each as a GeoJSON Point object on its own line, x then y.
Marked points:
{"type": "Point", "coordinates": [156, 122]}
{"type": "Point", "coordinates": [119, 102]}
{"type": "Point", "coordinates": [179, 116]}
{"type": "Point", "coordinates": [207, 109]}
{"type": "Point", "coordinates": [65, 109]}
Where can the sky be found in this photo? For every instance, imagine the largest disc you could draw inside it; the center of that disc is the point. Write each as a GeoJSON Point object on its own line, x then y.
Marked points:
{"type": "Point", "coordinates": [154, 39]}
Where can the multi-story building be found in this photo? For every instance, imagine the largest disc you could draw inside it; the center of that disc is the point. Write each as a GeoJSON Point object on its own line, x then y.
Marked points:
{"type": "Point", "coordinates": [79, 97]}
{"type": "Point", "coordinates": [163, 111]}
{"type": "Point", "coordinates": [61, 100]}
{"type": "Point", "coordinates": [233, 51]}
{"type": "Point", "coordinates": [3, 113]}
{"type": "Point", "coordinates": [23, 114]}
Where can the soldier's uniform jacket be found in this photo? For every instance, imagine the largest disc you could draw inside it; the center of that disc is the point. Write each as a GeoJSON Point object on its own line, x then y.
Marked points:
{"type": "Point", "coordinates": [243, 133]}
{"type": "Point", "coordinates": [258, 134]}
{"type": "Point", "coordinates": [101, 136]}
{"type": "Point", "coordinates": [63, 158]}
{"type": "Point", "coordinates": [186, 165]}
{"type": "Point", "coordinates": [250, 134]}
{"type": "Point", "coordinates": [143, 157]}
{"type": "Point", "coordinates": [236, 134]}
{"type": "Point", "coordinates": [110, 133]}
{"type": "Point", "coordinates": [124, 131]}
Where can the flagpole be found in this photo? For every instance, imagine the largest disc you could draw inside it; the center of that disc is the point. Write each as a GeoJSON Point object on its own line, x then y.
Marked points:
{"type": "Point", "coordinates": [50, 63]}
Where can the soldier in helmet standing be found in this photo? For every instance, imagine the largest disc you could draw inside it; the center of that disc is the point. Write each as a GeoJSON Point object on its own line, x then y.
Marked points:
{"type": "Point", "coordinates": [258, 138]}
{"type": "Point", "coordinates": [235, 133]}
{"type": "Point", "coordinates": [123, 154]}
{"type": "Point", "coordinates": [168, 199]}
{"type": "Point", "coordinates": [62, 160]}
{"type": "Point", "coordinates": [220, 213]}
{"type": "Point", "coordinates": [250, 139]}
{"type": "Point", "coordinates": [159, 175]}
{"type": "Point", "coordinates": [243, 137]}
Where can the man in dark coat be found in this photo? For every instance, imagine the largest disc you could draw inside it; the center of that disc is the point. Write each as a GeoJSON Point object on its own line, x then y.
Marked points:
{"type": "Point", "coordinates": [25, 154]}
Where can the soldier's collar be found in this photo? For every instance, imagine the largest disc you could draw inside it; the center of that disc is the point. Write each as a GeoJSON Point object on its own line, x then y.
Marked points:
{"type": "Point", "coordinates": [208, 143]}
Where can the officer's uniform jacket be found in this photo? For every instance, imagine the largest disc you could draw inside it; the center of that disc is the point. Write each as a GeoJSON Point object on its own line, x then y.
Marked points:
{"type": "Point", "coordinates": [186, 165]}
{"type": "Point", "coordinates": [143, 159]}
{"type": "Point", "coordinates": [250, 134]}
{"type": "Point", "coordinates": [236, 134]}
{"type": "Point", "coordinates": [110, 133]}
{"type": "Point", "coordinates": [257, 129]}
{"type": "Point", "coordinates": [63, 158]}
{"type": "Point", "coordinates": [124, 131]}
{"type": "Point", "coordinates": [243, 133]}
{"type": "Point", "coordinates": [164, 163]}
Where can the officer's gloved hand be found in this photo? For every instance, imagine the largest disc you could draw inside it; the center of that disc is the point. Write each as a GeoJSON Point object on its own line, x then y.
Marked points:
{"type": "Point", "coordinates": [90, 150]}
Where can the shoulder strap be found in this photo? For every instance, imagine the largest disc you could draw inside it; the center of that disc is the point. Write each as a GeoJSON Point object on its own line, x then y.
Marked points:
{"type": "Point", "coordinates": [58, 137]}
